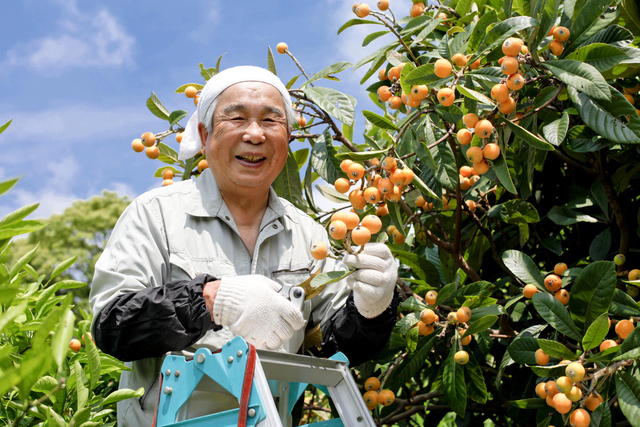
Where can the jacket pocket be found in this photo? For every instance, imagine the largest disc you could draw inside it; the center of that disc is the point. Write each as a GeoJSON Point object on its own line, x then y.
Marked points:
{"type": "Point", "coordinates": [185, 268]}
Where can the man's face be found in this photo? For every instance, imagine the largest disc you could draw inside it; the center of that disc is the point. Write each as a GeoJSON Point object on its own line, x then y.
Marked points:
{"type": "Point", "coordinates": [249, 141]}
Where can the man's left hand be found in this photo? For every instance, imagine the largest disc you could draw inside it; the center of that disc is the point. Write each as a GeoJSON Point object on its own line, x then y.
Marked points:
{"type": "Point", "coordinates": [374, 280]}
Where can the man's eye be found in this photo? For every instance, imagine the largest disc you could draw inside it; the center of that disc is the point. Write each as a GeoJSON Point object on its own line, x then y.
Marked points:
{"type": "Point", "coordinates": [237, 118]}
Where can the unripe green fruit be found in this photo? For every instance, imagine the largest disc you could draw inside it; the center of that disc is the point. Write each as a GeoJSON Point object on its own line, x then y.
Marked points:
{"type": "Point", "coordinates": [632, 291]}
{"type": "Point", "coordinates": [619, 259]}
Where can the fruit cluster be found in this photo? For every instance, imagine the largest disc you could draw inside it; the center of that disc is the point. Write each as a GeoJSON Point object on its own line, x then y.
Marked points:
{"type": "Point", "coordinates": [372, 397]}
{"type": "Point", "coordinates": [553, 283]}
{"type": "Point", "coordinates": [429, 319]}
{"type": "Point", "coordinates": [560, 35]}
{"type": "Point", "coordinates": [567, 390]}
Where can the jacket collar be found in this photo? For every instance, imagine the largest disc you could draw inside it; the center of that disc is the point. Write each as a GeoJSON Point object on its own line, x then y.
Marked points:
{"type": "Point", "coordinates": [206, 200]}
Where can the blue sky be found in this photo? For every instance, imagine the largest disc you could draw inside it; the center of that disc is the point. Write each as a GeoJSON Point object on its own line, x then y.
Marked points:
{"type": "Point", "coordinates": [75, 77]}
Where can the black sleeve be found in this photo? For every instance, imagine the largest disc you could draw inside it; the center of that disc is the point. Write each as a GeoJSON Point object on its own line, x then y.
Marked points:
{"type": "Point", "coordinates": [151, 322]}
{"type": "Point", "coordinates": [356, 336]}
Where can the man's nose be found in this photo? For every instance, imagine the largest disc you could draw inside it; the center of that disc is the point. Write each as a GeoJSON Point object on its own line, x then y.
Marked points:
{"type": "Point", "coordinates": [254, 133]}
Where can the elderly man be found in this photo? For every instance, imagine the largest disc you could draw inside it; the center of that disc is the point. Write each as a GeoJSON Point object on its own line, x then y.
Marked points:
{"type": "Point", "coordinates": [198, 262]}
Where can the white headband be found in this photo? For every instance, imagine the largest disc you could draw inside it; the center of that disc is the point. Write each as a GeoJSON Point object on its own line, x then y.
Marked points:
{"type": "Point", "coordinates": [191, 144]}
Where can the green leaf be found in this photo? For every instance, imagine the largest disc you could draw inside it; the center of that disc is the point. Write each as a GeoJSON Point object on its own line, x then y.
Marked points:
{"type": "Point", "coordinates": [422, 75]}
{"type": "Point", "coordinates": [11, 313]}
{"type": "Point", "coordinates": [17, 267]}
{"type": "Point", "coordinates": [630, 16]}
{"type": "Point", "coordinates": [122, 394]}
{"type": "Point", "coordinates": [81, 417]}
{"type": "Point", "coordinates": [587, 20]}
{"type": "Point", "coordinates": [412, 364]}
{"type": "Point", "coordinates": [396, 217]}
{"type": "Point", "coordinates": [419, 184]}
{"type": "Point", "coordinates": [454, 386]}
{"type": "Point", "coordinates": [533, 403]}
{"type": "Point", "coordinates": [93, 359]}
{"type": "Point", "coordinates": [604, 117]}
{"type": "Point", "coordinates": [62, 267]}
{"type": "Point", "coordinates": [556, 131]}
{"type": "Point", "coordinates": [81, 390]}
{"type": "Point", "coordinates": [373, 36]}
{"type": "Point", "coordinates": [601, 245]}
{"type": "Point", "coordinates": [271, 63]}
{"type": "Point", "coordinates": [419, 265]}
{"type": "Point", "coordinates": [596, 332]}
{"type": "Point", "coordinates": [155, 106]}
{"type": "Point", "coordinates": [523, 351]}
{"type": "Point", "coordinates": [176, 116]}
{"type": "Point", "coordinates": [556, 349]}
{"type": "Point", "coordinates": [549, 371]}
{"type": "Point", "coordinates": [479, 31]}
{"type": "Point", "coordinates": [523, 267]}
{"type": "Point", "coordinates": [323, 158]}
{"type": "Point", "coordinates": [476, 386]}
{"type": "Point", "coordinates": [207, 73]}
{"type": "Point", "coordinates": [353, 22]}
{"type": "Point", "coordinates": [327, 72]}
{"type": "Point", "coordinates": [475, 95]}
{"type": "Point", "coordinates": [381, 122]}
{"type": "Point", "coordinates": [581, 76]}
{"type": "Point", "coordinates": [319, 282]}
{"type": "Point", "coordinates": [592, 292]}
{"type": "Point", "coordinates": [565, 216]}
{"type": "Point", "coordinates": [360, 155]}
{"type": "Point", "coordinates": [406, 70]}
{"type": "Point", "coordinates": [480, 324]}
{"type": "Point", "coordinates": [447, 172]}
{"type": "Point", "coordinates": [6, 185]}
{"type": "Point", "coordinates": [547, 18]}
{"type": "Point", "coordinates": [182, 88]}
{"type": "Point", "coordinates": [426, 31]}
{"type": "Point", "coordinates": [552, 310]}
{"type": "Point", "coordinates": [499, 33]}
{"type": "Point", "coordinates": [601, 417]}
{"type": "Point", "coordinates": [628, 389]}
{"type": "Point", "coordinates": [330, 193]}
{"type": "Point", "coordinates": [528, 137]}
{"type": "Point", "coordinates": [601, 56]}
{"type": "Point", "coordinates": [501, 169]}
{"type": "Point", "coordinates": [53, 419]}
{"type": "Point", "coordinates": [445, 293]}
{"type": "Point", "coordinates": [287, 183]}
{"type": "Point", "coordinates": [623, 305]}
{"type": "Point", "coordinates": [328, 100]}
{"type": "Point", "coordinates": [5, 126]}
{"type": "Point", "coordinates": [64, 332]}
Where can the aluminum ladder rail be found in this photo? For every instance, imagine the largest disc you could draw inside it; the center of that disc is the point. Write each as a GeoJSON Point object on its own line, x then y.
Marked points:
{"type": "Point", "coordinates": [277, 374]}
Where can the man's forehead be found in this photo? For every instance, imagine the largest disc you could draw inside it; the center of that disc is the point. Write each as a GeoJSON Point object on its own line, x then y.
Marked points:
{"type": "Point", "coordinates": [236, 96]}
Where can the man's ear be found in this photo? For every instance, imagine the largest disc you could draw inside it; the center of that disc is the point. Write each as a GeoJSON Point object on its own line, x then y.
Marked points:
{"type": "Point", "coordinates": [204, 135]}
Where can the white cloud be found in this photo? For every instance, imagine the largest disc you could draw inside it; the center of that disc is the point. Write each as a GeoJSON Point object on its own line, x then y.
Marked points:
{"type": "Point", "coordinates": [84, 40]}
{"type": "Point", "coordinates": [210, 18]}
{"type": "Point", "coordinates": [123, 189]}
{"type": "Point", "coordinates": [51, 201]}
{"type": "Point", "coordinates": [54, 196]}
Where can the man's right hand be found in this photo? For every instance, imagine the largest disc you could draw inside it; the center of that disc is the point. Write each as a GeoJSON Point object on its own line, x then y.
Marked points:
{"type": "Point", "coordinates": [252, 308]}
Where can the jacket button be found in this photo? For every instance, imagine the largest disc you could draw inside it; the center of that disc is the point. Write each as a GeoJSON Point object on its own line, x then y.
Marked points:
{"type": "Point", "coordinates": [275, 225]}
{"type": "Point", "coordinates": [227, 218]}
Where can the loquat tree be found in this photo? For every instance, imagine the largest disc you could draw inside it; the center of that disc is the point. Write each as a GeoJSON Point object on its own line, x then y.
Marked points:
{"type": "Point", "coordinates": [500, 167]}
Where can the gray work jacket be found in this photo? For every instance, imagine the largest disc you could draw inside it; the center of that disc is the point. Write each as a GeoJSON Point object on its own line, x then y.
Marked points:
{"type": "Point", "coordinates": [184, 230]}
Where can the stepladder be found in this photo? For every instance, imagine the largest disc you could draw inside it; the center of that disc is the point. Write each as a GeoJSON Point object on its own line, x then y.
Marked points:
{"type": "Point", "coordinates": [265, 385]}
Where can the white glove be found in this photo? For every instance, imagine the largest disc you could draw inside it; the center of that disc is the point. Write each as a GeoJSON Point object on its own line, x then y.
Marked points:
{"type": "Point", "coordinates": [252, 308]}
{"type": "Point", "coordinates": [374, 280]}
